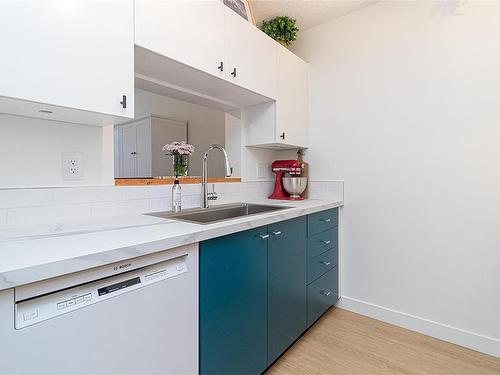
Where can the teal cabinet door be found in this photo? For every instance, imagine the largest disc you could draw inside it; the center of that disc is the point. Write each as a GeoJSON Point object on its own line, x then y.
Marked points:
{"type": "Point", "coordinates": [322, 294]}
{"type": "Point", "coordinates": [233, 304]}
{"type": "Point", "coordinates": [286, 284]}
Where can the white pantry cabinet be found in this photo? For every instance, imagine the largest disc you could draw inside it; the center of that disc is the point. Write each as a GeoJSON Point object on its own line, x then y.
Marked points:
{"type": "Point", "coordinates": [186, 31]}
{"type": "Point", "coordinates": [284, 123]}
{"type": "Point", "coordinates": [250, 56]}
{"type": "Point", "coordinates": [73, 58]}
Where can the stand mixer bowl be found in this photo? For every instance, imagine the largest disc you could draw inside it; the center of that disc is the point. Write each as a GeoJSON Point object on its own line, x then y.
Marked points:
{"type": "Point", "coordinates": [295, 186]}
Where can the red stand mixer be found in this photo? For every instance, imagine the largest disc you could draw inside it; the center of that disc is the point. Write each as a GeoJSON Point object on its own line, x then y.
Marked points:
{"type": "Point", "coordinates": [280, 168]}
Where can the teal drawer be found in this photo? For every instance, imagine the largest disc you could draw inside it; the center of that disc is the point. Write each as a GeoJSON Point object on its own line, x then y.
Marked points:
{"type": "Point", "coordinates": [321, 221]}
{"type": "Point", "coordinates": [321, 242]}
{"type": "Point", "coordinates": [321, 264]}
{"type": "Point", "coordinates": [321, 295]}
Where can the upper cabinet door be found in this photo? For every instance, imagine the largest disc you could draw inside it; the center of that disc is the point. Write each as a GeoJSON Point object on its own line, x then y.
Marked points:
{"type": "Point", "coordinates": [292, 99]}
{"type": "Point", "coordinates": [186, 31]}
{"type": "Point", "coordinates": [250, 56]}
{"type": "Point", "coordinates": [76, 54]}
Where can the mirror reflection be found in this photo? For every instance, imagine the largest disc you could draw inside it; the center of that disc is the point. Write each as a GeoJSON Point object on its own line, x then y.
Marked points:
{"type": "Point", "coordinates": [159, 121]}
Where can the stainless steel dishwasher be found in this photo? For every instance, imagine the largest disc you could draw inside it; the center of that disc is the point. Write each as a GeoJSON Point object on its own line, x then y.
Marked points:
{"type": "Point", "coordinates": [138, 316]}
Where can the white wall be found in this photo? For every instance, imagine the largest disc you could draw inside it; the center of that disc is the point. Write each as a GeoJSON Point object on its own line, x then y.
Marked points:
{"type": "Point", "coordinates": [30, 152]}
{"type": "Point", "coordinates": [205, 126]}
{"type": "Point", "coordinates": [405, 109]}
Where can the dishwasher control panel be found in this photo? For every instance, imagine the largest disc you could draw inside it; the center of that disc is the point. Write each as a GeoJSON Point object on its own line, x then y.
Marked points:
{"type": "Point", "coordinates": [41, 308]}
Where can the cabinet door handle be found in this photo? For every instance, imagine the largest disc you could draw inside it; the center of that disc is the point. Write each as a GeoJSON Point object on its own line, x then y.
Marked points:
{"type": "Point", "coordinates": [282, 136]}
{"type": "Point", "coordinates": [327, 242]}
{"type": "Point", "coordinates": [326, 263]}
{"type": "Point", "coordinates": [264, 236]}
{"type": "Point", "coordinates": [326, 293]}
{"type": "Point", "coordinates": [326, 220]}
{"type": "Point", "coordinates": [233, 73]}
{"type": "Point", "coordinates": [124, 101]}
{"type": "Point", "coordinates": [277, 233]}
{"type": "Point", "coordinates": [221, 66]}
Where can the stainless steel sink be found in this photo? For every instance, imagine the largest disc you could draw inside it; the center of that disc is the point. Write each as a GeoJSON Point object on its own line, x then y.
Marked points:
{"type": "Point", "coordinates": [218, 213]}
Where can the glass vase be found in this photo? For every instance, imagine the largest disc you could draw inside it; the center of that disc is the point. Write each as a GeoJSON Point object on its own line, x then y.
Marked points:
{"type": "Point", "coordinates": [180, 165]}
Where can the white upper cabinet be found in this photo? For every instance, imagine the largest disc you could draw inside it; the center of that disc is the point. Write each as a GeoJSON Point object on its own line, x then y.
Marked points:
{"type": "Point", "coordinates": [284, 123]}
{"type": "Point", "coordinates": [75, 57]}
{"type": "Point", "coordinates": [210, 37]}
{"type": "Point", "coordinates": [186, 31]}
{"type": "Point", "coordinates": [292, 99]}
{"type": "Point", "coordinates": [250, 56]}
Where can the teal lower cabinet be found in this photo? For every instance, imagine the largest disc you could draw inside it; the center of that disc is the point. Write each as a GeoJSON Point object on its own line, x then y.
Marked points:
{"type": "Point", "coordinates": [286, 285]}
{"type": "Point", "coordinates": [322, 263]}
{"type": "Point", "coordinates": [261, 289]}
{"type": "Point", "coordinates": [233, 304]}
{"type": "Point", "coordinates": [321, 295]}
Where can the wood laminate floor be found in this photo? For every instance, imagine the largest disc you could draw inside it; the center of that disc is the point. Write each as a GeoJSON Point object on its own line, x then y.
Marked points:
{"type": "Point", "coordinates": [345, 343]}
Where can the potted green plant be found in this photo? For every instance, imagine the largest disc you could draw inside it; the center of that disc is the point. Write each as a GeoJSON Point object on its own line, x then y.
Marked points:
{"type": "Point", "coordinates": [283, 29]}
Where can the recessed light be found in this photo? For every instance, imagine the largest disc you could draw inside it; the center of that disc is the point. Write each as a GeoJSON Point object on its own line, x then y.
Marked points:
{"type": "Point", "coordinates": [44, 111]}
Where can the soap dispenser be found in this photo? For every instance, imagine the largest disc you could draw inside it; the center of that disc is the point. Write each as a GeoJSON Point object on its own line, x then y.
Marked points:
{"type": "Point", "coordinates": [176, 196]}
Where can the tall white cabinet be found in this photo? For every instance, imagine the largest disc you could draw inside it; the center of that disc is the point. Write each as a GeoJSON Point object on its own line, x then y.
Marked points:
{"type": "Point", "coordinates": [62, 55]}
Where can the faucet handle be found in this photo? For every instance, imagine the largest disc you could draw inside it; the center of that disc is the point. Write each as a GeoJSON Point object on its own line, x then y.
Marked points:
{"type": "Point", "coordinates": [212, 196]}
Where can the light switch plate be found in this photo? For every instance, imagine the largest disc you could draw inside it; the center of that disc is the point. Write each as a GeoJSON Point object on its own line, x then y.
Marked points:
{"type": "Point", "coordinates": [72, 166]}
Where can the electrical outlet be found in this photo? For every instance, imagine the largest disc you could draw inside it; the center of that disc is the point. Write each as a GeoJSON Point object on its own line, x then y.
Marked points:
{"type": "Point", "coordinates": [72, 166]}
{"type": "Point", "coordinates": [261, 172]}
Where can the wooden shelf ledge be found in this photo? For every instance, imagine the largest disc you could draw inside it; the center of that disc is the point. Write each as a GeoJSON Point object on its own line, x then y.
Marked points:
{"type": "Point", "coordinates": [170, 181]}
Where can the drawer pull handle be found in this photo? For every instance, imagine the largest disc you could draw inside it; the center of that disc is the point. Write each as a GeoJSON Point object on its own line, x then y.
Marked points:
{"type": "Point", "coordinates": [264, 236]}
{"type": "Point", "coordinates": [327, 242]}
{"type": "Point", "coordinates": [277, 233]}
{"type": "Point", "coordinates": [326, 263]}
{"type": "Point", "coordinates": [326, 293]}
{"type": "Point", "coordinates": [326, 220]}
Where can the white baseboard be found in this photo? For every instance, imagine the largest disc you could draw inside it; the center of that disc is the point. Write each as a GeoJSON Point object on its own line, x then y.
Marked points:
{"type": "Point", "coordinates": [480, 343]}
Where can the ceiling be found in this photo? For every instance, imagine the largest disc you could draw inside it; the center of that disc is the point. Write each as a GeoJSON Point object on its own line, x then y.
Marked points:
{"type": "Point", "coordinates": [308, 13]}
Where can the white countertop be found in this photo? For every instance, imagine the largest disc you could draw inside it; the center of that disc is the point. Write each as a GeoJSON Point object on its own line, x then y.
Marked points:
{"type": "Point", "coordinates": [33, 254]}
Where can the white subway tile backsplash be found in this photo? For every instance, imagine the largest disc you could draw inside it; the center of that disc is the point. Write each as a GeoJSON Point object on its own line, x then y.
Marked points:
{"type": "Point", "coordinates": [22, 207]}
{"type": "Point", "coordinates": [10, 198]}
{"type": "Point", "coordinates": [191, 201]}
{"type": "Point", "coordinates": [329, 190]}
{"type": "Point", "coordinates": [17, 217]}
{"type": "Point", "coordinates": [88, 195]}
{"type": "Point", "coordinates": [3, 218]}
{"type": "Point", "coordinates": [103, 209]}
{"type": "Point", "coordinates": [192, 189]}
{"type": "Point", "coordinates": [160, 204]}
{"type": "Point", "coordinates": [136, 192]}
{"type": "Point", "coordinates": [160, 191]}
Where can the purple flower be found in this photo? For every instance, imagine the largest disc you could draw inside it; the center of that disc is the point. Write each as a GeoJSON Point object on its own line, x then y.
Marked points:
{"type": "Point", "coordinates": [179, 148]}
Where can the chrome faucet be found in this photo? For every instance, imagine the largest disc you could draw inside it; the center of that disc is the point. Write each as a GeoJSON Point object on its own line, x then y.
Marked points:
{"type": "Point", "coordinates": [204, 178]}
